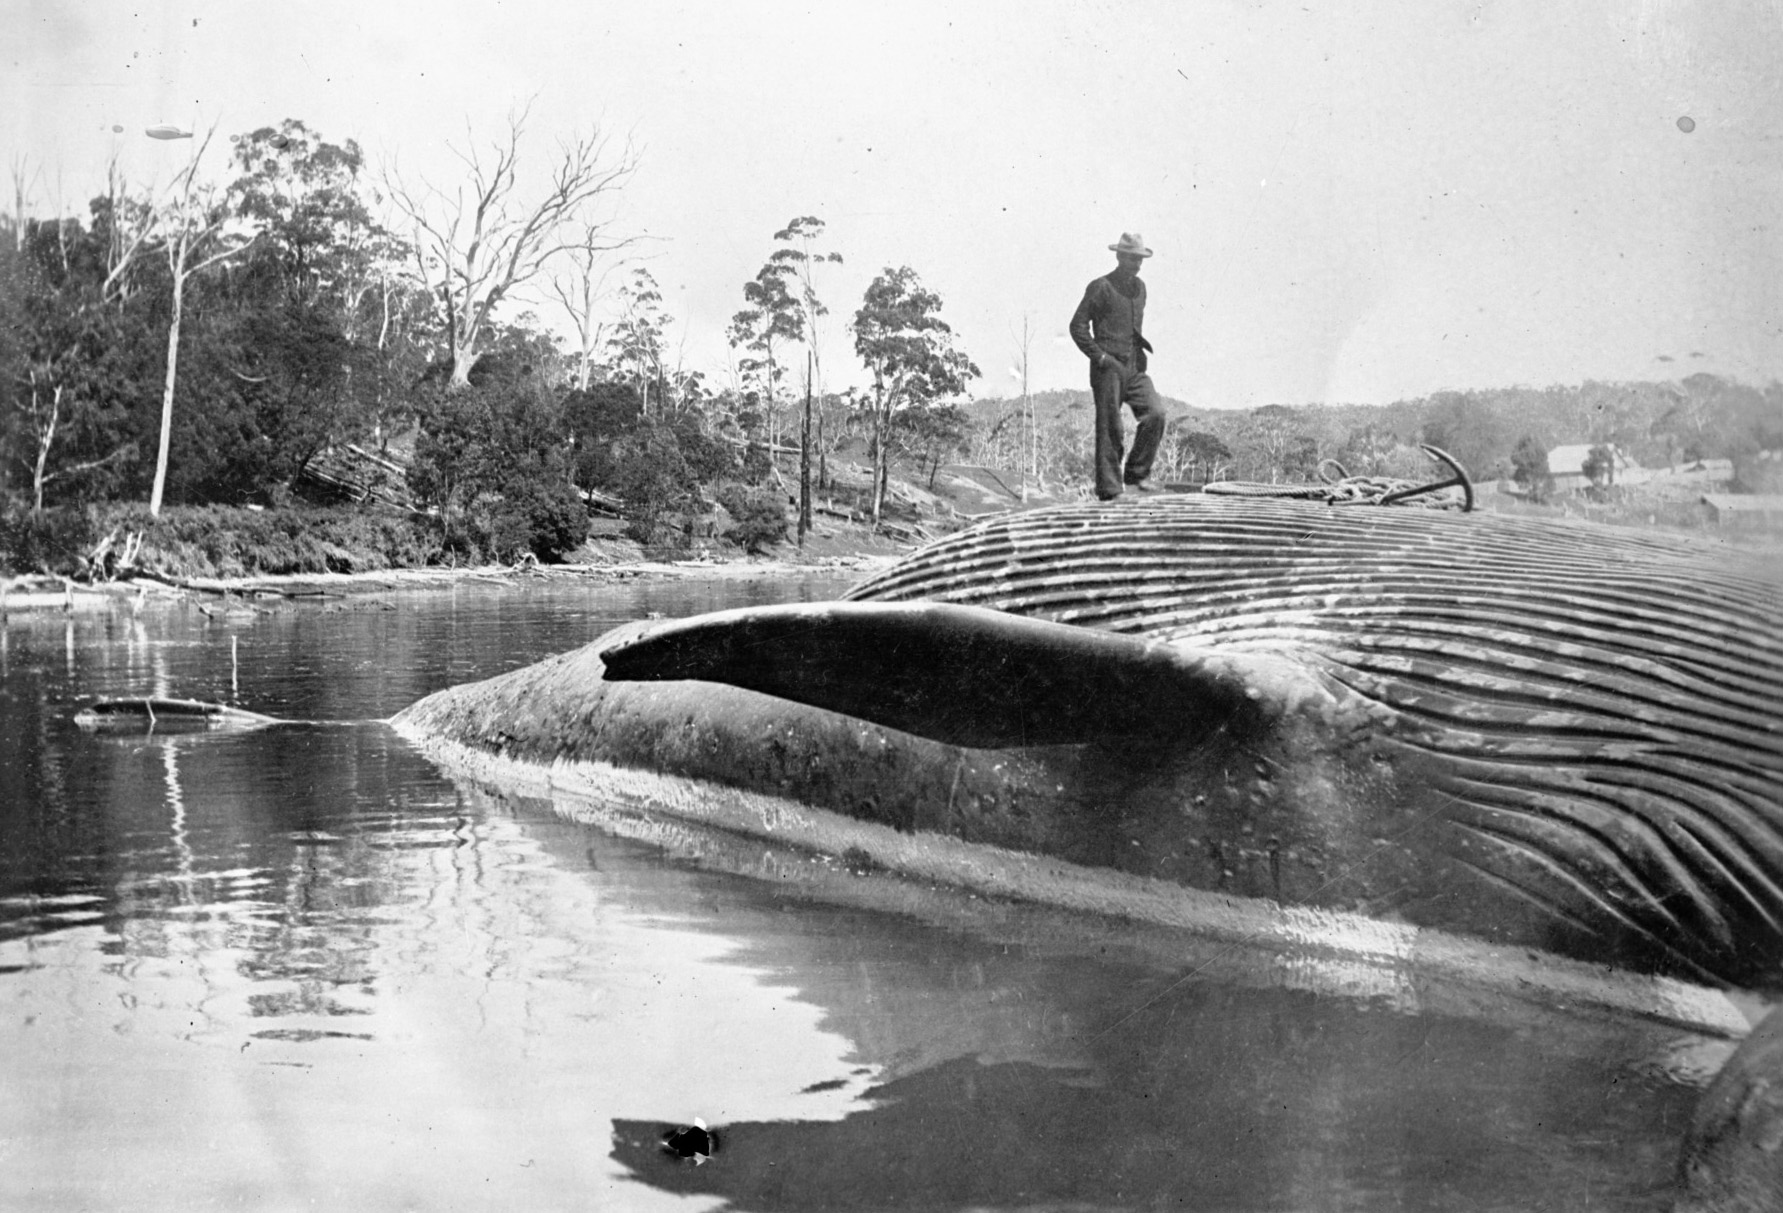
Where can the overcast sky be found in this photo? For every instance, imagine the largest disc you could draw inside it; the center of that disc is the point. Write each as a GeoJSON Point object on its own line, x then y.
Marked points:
{"type": "Point", "coordinates": [1348, 201]}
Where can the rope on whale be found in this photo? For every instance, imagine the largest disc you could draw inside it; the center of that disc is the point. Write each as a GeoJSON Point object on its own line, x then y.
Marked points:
{"type": "Point", "coordinates": [1341, 488]}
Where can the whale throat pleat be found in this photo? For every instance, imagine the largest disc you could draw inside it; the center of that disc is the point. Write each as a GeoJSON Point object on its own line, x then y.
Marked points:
{"type": "Point", "coordinates": [1604, 707]}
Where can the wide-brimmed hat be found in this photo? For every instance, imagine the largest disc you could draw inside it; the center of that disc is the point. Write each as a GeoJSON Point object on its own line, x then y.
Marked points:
{"type": "Point", "coordinates": [1131, 242]}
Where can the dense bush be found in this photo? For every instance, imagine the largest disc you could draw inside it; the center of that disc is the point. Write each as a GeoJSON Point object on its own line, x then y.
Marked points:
{"type": "Point", "coordinates": [46, 541]}
{"type": "Point", "coordinates": [543, 515]}
{"type": "Point", "coordinates": [493, 462]}
{"type": "Point", "coordinates": [708, 459]}
{"type": "Point", "coordinates": [596, 419]}
{"type": "Point", "coordinates": [758, 515]}
{"type": "Point", "coordinates": [1529, 464]}
{"type": "Point", "coordinates": [651, 476]}
{"type": "Point", "coordinates": [218, 541]}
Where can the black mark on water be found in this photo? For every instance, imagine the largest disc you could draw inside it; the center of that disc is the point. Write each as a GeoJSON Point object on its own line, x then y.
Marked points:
{"type": "Point", "coordinates": [832, 1085]}
{"type": "Point", "coordinates": [694, 1142]}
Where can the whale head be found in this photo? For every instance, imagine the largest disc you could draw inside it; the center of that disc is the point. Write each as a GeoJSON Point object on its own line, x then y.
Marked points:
{"type": "Point", "coordinates": [1533, 733]}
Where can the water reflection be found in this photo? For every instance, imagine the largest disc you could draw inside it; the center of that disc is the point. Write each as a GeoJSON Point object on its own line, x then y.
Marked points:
{"type": "Point", "coordinates": [298, 968]}
{"type": "Point", "coordinates": [294, 968]}
{"type": "Point", "coordinates": [1231, 1100]}
{"type": "Point", "coordinates": [1023, 1058]}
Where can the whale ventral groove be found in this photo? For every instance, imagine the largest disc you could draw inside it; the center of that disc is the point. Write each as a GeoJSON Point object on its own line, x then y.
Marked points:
{"type": "Point", "coordinates": [1590, 715]}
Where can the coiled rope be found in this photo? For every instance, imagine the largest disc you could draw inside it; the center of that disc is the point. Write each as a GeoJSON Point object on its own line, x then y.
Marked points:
{"type": "Point", "coordinates": [1341, 488]}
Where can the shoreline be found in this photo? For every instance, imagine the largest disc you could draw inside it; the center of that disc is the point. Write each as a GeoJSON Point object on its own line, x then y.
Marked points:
{"type": "Point", "coordinates": [36, 593]}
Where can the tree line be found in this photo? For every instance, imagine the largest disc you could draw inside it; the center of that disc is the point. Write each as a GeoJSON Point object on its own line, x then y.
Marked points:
{"type": "Point", "coordinates": [220, 339]}
{"type": "Point", "coordinates": [216, 340]}
{"type": "Point", "coordinates": [1498, 433]}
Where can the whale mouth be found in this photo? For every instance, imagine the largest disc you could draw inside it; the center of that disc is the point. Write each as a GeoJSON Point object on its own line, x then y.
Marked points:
{"type": "Point", "coordinates": [962, 675]}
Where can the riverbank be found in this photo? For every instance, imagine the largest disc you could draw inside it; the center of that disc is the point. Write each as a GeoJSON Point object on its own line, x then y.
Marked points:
{"type": "Point", "coordinates": [57, 593]}
{"type": "Point", "coordinates": [217, 553]}
{"type": "Point", "coordinates": [297, 554]}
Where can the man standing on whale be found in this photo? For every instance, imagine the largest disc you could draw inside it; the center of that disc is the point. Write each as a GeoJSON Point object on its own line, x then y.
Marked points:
{"type": "Point", "coordinates": [1109, 328]}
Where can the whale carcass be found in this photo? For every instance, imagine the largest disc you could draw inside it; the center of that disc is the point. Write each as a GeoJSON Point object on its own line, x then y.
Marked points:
{"type": "Point", "coordinates": [1536, 733]}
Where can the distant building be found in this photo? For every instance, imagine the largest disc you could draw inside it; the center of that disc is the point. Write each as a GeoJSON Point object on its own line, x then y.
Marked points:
{"type": "Point", "coordinates": [1710, 470]}
{"type": "Point", "coordinates": [1746, 511]}
{"type": "Point", "coordinates": [1567, 465]}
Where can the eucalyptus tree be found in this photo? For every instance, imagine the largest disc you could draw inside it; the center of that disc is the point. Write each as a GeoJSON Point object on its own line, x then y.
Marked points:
{"type": "Point", "coordinates": [929, 434]}
{"type": "Point", "coordinates": [639, 342]}
{"type": "Point", "coordinates": [320, 302]}
{"type": "Point", "coordinates": [190, 225]}
{"type": "Point", "coordinates": [306, 199]}
{"type": "Point", "coordinates": [479, 242]}
{"type": "Point", "coordinates": [798, 252]}
{"type": "Point", "coordinates": [772, 320]}
{"type": "Point", "coordinates": [909, 350]}
{"type": "Point", "coordinates": [1204, 456]}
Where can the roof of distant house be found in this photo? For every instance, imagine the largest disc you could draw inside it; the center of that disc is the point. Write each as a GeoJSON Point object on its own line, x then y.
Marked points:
{"type": "Point", "coordinates": [1746, 503]}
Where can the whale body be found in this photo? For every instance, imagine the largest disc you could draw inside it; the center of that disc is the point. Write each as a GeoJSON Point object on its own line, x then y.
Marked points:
{"type": "Point", "coordinates": [1545, 734]}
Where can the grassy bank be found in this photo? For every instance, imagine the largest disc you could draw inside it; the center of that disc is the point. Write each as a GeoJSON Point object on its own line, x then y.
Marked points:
{"type": "Point", "coordinates": [98, 543]}
{"type": "Point", "coordinates": [222, 543]}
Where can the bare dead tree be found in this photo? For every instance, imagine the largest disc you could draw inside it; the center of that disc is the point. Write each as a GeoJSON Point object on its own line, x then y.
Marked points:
{"type": "Point", "coordinates": [46, 420]}
{"type": "Point", "coordinates": [580, 288]}
{"type": "Point", "coordinates": [45, 417]}
{"type": "Point", "coordinates": [130, 223]}
{"type": "Point", "coordinates": [59, 212]}
{"type": "Point", "coordinates": [1030, 456]}
{"type": "Point", "coordinates": [23, 179]}
{"type": "Point", "coordinates": [475, 245]}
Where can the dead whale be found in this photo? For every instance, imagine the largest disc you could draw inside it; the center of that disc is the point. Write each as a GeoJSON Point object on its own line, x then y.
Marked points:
{"type": "Point", "coordinates": [1541, 734]}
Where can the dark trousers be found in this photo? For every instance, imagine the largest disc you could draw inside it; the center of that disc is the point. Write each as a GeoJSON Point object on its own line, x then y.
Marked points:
{"type": "Point", "coordinates": [1113, 386]}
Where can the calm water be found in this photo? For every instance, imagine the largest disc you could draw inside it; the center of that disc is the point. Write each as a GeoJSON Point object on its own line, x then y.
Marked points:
{"type": "Point", "coordinates": [297, 968]}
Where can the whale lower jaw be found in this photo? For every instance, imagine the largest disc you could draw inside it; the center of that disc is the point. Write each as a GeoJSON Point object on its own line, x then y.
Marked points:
{"type": "Point", "coordinates": [1327, 951]}
{"type": "Point", "coordinates": [1309, 795]}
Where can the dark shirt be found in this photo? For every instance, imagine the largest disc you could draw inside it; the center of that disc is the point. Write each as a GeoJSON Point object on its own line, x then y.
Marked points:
{"type": "Point", "coordinates": [1111, 320]}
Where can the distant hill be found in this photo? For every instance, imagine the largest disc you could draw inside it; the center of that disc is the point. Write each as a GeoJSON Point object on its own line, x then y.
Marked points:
{"type": "Point", "coordinates": [1058, 404]}
{"type": "Point", "coordinates": [1658, 423]}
